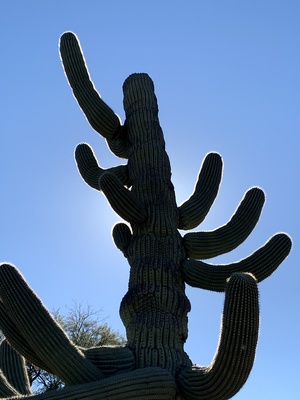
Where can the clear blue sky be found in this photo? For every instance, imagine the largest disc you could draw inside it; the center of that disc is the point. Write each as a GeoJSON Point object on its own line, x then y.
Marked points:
{"type": "Point", "coordinates": [226, 75]}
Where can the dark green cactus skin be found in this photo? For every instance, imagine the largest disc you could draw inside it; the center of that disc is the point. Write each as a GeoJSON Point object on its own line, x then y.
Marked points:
{"type": "Point", "coordinates": [13, 375]}
{"type": "Point", "coordinates": [154, 311]}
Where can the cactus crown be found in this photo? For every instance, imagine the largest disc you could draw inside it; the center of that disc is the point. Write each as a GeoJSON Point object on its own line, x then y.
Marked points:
{"type": "Point", "coordinates": [153, 364]}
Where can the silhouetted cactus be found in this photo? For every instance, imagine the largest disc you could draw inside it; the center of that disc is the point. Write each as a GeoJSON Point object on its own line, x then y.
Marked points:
{"type": "Point", "coordinates": [154, 311]}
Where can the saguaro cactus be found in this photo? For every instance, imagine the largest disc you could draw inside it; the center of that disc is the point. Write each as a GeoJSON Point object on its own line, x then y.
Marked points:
{"type": "Point", "coordinates": [154, 311]}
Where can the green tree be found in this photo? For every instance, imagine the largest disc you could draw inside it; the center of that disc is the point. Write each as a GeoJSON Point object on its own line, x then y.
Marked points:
{"type": "Point", "coordinates": [86, 328]}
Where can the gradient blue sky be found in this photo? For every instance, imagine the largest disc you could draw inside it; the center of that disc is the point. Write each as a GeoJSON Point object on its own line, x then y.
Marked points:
{"type": "Point", "coordinates": [226, 75]}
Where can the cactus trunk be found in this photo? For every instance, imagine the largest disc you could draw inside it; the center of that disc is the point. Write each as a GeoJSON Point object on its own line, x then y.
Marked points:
{"type": "Point", "coordinates": [154, 310]}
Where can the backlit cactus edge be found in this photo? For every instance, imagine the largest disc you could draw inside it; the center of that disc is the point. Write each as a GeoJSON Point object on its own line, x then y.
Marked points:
{"type": "Point", "coordinates": [153, 364]}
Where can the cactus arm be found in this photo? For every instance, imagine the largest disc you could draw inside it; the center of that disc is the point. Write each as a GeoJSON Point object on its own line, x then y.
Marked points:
{"type": "Point", "coordinates": [111, 360]}
{"type": "Point", "coordinates": [14, 368]}
{"type": "Point", "coordinates": [90, 170]}
{"type": "Point", "coordinates": [193, 211]}
{"type": "Point", "coordinates": [41, 331]}
{"type": "Point", "coordinates": [122, 237]}
{"type": "Point", "coordinates": [140, 384]}
{"type": "Point", "coordinates": [204, 245]}
{"type": "Point", "coordinates": [262, 263]}
{"type": "Point", "coordinates": [6, 389]}
{"type": "Point", "coordinates": [124, 202]}
{"type": "Point", "coordinates": [99, 114]}
{"type": "Point", "coordinates": [236, 350]}
{"type": "Point", "coordinates": [17, 340]}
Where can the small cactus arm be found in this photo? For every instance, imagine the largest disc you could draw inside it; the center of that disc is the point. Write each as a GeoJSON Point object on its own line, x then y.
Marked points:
{"type": "Point", "coordinates": [154, 310]}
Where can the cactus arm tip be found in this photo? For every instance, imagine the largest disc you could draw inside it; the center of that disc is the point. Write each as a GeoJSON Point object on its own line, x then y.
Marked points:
{"type": "Point", "coordinates": [122, 237]}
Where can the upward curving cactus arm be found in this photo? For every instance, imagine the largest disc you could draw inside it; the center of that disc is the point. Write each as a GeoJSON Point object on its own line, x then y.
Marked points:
{"type": "Point", "coordinates": [236, 351]}
{"type": "Point", "coordinates": [90, 170]}
{"type": "Point", "coordinates": [99, 114]}
{"type": "Point", "coordinates": [204, 245]}
{"type": "Point", "coordinates": [41, 332]}
{"type": "Point", "coordinates": [193, 211]}
{"type": "Point", "coordinates": [18, 341]}
{"type": "Point", "coordinates": [262, 263]}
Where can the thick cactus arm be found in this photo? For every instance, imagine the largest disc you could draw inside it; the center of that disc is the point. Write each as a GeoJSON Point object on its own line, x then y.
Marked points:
{"type": "Point", "coordinates": [90, 170]}
{"type": "Point", "coordinates": [262, 263]}
{"type": "Point", "coordinates": [14, 368]}
{"type": "Point", "coordinates": [41, 331]}
{"type": "Point", "coordinates": [124, 202]}
{"type": "Point", "coordinates": [204, 245]}
{"type": "Point", "coordinates": [17, 341]}
{"type": "Point", "coordinates": [234, 358]}
{"type": "Point", "coordinates": [111, 360]}
{"type": "Point", "coordinates": [99, 114]}
{"type": "Point", "coordinates": [6, 390]}
{"type": "Point", "coordinates": [193, 211]}
{"type": "Point", "coordinates": [141, 384]}
{"type": "Point", "coordinates": [122, 237]}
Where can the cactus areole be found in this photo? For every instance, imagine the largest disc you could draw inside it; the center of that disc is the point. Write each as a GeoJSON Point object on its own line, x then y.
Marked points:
{"type": "Point", "coordinates": [153, 364]}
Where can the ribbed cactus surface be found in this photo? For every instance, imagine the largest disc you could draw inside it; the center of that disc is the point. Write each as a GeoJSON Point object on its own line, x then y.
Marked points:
{"type": "Point", "coordinates": [162, 260]}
